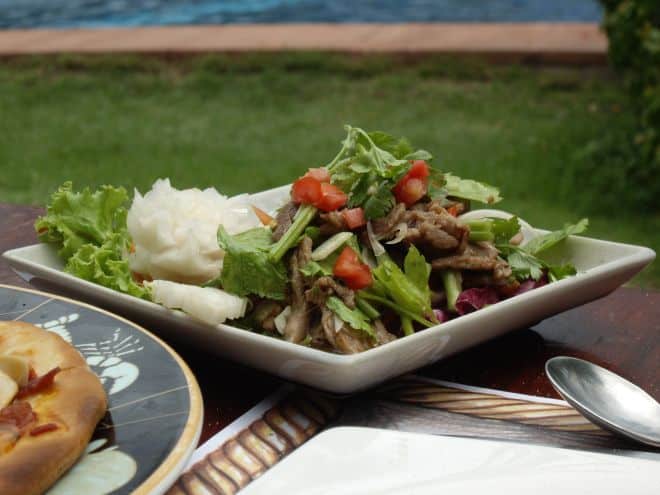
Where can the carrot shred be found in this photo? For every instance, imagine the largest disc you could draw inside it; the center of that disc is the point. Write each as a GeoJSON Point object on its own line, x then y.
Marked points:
{"type": "Point", "coordinates": [263, 217]}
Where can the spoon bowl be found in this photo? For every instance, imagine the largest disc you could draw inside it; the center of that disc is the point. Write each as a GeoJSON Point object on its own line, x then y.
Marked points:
{"type": "Point", "coordinates": [606, 399]}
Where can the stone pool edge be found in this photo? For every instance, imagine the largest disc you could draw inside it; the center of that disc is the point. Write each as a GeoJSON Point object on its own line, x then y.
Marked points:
{"type": "Point", "coordinates": [572, 43]}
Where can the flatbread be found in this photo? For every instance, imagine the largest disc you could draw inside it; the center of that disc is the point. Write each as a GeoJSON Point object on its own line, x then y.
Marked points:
{"type": "Point", "coordinates": [75, 402]}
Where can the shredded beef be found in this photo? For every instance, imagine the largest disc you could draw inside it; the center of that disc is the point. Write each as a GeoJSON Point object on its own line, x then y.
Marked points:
{"type": "Point", "coordinates": [350, 341]}
{"type": "Point", "coordinates": [382, 335]}
{"type": "Point", "coordinates": [429, 226]}
{"type": "Point", "coordinates": [383, 228]}
{"type": "Point", "coordinates": [298, 321]}
{"type": "Point", "coordinates": [479, 256]}
{"type": "Point", "coordinates": [325, 287]}
{"type": "Point", "coordinates": [284, 219]}
{"type": "Point", "coordinates": [332, 223]}
{"type": "Point", "coordinates": [328, 324]}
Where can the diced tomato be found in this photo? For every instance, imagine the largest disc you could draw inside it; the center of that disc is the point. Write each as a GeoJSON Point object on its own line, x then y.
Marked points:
{"type": "Point", "coordinates": [419, 169]}
{"type": "Point", "coordinates": [453, 210]}
{"type": "Point", "coordinates": [348, 267]}
{"type": "Point", "coordinates": [410, 191]}
{"type": "Point", "coordinates": [360, 279]}
{"type": "Point", "coordinates": [323, 195]}
{"type": "Point", "coordinates": [38, 384]}
{"type": "Point", "coordinates": [321, 174]}
{"type": "Point", "coordinates": [332, 198]}
{"type": "Point", "coordinates": [19, 414]}
{"type": "Point", "coordinates": [263, 217]}
{"type": "Point", "coordinates": [306, 190]}
{"type": "Point", "coordinates": [44, 428]}
{"type": "Point", "coordinates": [354, 218]}
{"type": "Point", "coordinates": [413, 186]}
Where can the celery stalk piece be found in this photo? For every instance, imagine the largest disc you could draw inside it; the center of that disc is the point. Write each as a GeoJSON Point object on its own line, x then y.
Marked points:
{"type": "Point", "coordinates": [305, 215]}
{"type": "Point", "coordinates": [452, 280]}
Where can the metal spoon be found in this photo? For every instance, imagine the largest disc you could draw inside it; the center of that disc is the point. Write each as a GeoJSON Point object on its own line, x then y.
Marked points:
{"type": "Point", "coordinates": [606, 399]}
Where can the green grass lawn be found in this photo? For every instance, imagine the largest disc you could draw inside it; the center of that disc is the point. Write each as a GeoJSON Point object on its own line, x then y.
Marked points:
{"type": "Point", "coordinates": [253, 122]}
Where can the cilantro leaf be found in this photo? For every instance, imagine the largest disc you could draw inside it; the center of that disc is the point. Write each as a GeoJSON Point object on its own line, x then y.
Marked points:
{"type": "Point", "coordinates": [399, 148]}
{"type": "Point", "coordinates": [379, 203]}
{"type": "Point", "coordinates": [436, 189]}
{"type": "Point", "coordinates": [247, 268]}
{"type": "Point", "coordinates": [546, 241]}
{"type": "Point", "coordinates": [418, 271]}
{"type": "Point", "coordinates": [524, 265]}
{"type": "Point", "coordinates": [558, 272]}
{"type": "Point", "coordinates": [354, 317]}
{"type": "Point", "coordinates": [419, 155]}
{"type": "Point", "coordinates": [503, 229]}
{"type": "Point", "coordinates": [369, 165]}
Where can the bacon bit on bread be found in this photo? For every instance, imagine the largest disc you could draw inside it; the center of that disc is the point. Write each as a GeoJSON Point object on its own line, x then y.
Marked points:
{"type": "Point", "coordinates": [19, 414]}
{"type": "Point", "coordinates": [38, 384]}
{"type": "Point", "coordinates": [44, 428]}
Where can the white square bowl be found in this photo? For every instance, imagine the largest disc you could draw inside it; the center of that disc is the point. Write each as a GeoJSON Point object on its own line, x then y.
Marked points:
{"type": "Point", "coordinates": [603, 267]}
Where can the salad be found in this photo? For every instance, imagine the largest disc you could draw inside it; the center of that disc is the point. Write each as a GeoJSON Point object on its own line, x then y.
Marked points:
{"type": "Point", "coordinates": [373, 246]}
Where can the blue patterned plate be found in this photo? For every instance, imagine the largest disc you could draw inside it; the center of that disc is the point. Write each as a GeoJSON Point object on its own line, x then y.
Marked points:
{"type": "Point", "coordinates": [154, 416]}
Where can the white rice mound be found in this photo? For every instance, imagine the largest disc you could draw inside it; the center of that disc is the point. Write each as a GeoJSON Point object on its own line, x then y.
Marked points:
{"type": "Point", "coordinates": [174, 231]}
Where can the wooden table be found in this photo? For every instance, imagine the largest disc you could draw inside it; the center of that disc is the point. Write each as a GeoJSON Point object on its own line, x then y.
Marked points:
{"type": "Point", "coordinates": [620, 332]}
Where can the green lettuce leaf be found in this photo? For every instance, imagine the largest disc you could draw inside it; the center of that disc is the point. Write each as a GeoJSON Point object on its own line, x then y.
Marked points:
{"type": "Point", "coordinates": [546, 241]}
{"type": "Point", "coordinates": [470, 189]}
{"type": "Point", "coordinates": [247, 268]}
{"type": "Point", "coordinates": [89, 229]}
{"type": "Point", "coordinates": [106, 265]}
{"type": "Point", "coordinates": [74, 219]}
{"type": "Point", "coordinates": [354, 317]}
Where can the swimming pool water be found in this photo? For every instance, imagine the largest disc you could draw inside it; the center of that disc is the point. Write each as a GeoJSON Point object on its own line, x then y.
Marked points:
{"type": "Point", "coordinates": [107, 13]}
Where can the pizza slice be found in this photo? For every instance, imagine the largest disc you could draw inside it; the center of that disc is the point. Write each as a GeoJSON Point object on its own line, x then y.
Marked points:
{"type": "Point", "coordinates": [50, 403]}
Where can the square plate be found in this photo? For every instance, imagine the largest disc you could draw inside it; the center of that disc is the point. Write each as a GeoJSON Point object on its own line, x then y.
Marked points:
{"type": "Point", "coordinates": [363, 461]}
{"type": "Point", "coordinates": [603, 267]}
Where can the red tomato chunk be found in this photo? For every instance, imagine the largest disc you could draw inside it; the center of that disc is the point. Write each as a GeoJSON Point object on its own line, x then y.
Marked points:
{"type": "Point", "coordinates": [332, 198]}
{"type": "Point", "coordinates": [320, 174]}
{"type": "Point", "coordinates": [414, 185]}
{"type": "Point", "coordinates": [306, 190]}
{"type": "Point", "coordinates": [354, 218]}
{"type": "Point", "coordinates": [348, 267]}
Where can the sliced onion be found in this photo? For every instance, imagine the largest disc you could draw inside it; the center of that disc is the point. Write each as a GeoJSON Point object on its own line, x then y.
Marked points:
{"type": "Point", "coordinates": [281, 319]}
{"type": "Point", "coordinates": [330, 245]}
{"type": "Point", "coordinates": [339, 323]}
{"type": "Point", "coordinates": [401, 231]}
{"type": "Point", "coordinates": [376, 246]}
